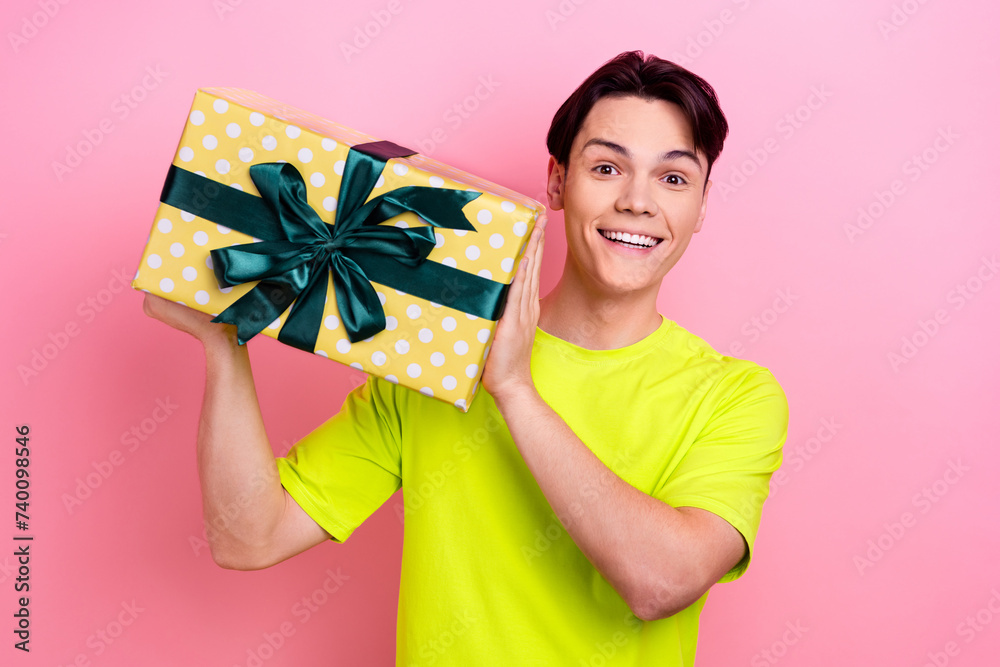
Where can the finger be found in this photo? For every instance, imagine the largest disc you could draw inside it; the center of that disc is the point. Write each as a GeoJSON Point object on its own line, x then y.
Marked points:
{"type": "Point", "coordinates": [529, 300]}
{"type": "Point", "coordinates": [543, 219]}
{"type": "Point", "coordinates": [147, 305]}
{"type": "Point", "coordinates": [522, 279]}
{"type": "Point", "coordinates": [525, 304]}
{"type": "Point", "coordinates": [532, 247]}
{"type": "Point", "coordinates": [515, 294]}
{"type": "Point", "coordinates": [536, 274]}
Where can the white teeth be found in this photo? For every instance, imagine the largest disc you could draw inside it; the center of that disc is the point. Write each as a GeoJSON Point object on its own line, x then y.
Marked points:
{"type": "Point", "coordinates": [632, 239]}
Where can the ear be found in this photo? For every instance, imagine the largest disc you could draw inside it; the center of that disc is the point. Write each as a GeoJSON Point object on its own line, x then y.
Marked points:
{"type": "Point", "coordinates": [556, 184]}
{"type": "Point", "coordinates": [704, 207]}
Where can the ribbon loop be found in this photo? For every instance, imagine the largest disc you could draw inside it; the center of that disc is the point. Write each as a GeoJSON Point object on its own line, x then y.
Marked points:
{"type": "Point", "coordinates": [255, 261]}
{"type": "Point", "coordinates": [281, 186]}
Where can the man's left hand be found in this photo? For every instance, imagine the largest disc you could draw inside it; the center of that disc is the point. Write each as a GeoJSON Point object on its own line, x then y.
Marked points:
{"type": "Point", "coordinates": [508, 368]}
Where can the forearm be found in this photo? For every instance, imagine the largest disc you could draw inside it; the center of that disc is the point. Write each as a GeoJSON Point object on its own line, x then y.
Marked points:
{"type": "Point", "coordinates": [641, 545]}
{"type": "Point", "coordinates": [242, 496]}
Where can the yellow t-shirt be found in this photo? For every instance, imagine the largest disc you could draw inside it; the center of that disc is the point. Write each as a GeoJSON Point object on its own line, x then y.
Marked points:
{"type": "Point", "coordinates": [489, 574]}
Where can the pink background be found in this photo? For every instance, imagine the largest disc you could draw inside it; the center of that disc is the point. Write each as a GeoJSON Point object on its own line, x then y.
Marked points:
{"type": "Point", "coordinates": [872, 545]}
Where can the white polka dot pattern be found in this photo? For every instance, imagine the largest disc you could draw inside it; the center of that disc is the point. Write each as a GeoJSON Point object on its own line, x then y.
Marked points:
{"type": "Point", "coordinates": [431, 346]}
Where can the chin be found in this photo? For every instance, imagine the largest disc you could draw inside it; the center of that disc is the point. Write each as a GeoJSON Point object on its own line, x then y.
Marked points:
{"type": "Point", "coordinates": [621, 285]}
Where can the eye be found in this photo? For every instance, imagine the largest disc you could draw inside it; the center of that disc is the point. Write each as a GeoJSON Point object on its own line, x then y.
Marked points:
{"type": "Point", "coordinates": [605, 170]}
{"type": "Point", "coordinates": [675, 179]}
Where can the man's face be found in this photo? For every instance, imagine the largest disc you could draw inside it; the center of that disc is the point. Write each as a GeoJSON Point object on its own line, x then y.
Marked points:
{"type": "Point", "coordinates": [633, 173]}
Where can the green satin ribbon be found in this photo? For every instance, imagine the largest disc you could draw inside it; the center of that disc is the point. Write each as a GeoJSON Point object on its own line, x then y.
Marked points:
{"type": "Point", "coordinates": [298, 250]}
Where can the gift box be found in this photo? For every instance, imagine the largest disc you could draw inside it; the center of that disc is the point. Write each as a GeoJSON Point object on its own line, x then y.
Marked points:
{"type": "Point", "coordinates": [328, 240]}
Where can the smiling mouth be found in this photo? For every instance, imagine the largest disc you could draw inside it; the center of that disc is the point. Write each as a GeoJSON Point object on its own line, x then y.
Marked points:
{"type": "Point", "coordinates": [640, 241]}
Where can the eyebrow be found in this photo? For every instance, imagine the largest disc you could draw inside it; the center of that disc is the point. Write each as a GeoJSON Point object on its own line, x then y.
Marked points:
{"type": "Point", "coordinates": [666, 156]}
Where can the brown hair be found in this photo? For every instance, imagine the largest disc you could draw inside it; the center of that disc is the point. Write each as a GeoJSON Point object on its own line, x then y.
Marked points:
{"type": "Point", "coordinates": [650, 78]}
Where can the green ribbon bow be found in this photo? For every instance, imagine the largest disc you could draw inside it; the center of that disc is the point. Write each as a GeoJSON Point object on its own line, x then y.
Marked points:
{"type": "Point", "coordinates": [298, 250]}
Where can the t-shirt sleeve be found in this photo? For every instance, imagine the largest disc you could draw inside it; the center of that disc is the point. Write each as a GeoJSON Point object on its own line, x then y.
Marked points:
{"type": "Point", "coordinates": [728, 468]}
{"type": "Point", "coordinates": [347, 467]}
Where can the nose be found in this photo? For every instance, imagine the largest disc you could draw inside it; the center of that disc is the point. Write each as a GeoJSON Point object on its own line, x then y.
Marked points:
{"type": "Point", "coordinates": [636, 197]}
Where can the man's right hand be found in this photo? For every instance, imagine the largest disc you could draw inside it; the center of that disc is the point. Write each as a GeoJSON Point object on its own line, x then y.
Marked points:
{"type": "Point", "coordinates": [185, 319]}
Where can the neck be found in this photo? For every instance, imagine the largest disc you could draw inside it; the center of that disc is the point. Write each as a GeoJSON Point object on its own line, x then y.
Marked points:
{"type": "Point", "coordinates": [592, 319]}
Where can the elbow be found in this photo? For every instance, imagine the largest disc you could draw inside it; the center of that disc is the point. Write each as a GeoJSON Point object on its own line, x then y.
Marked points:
{"type": "Point", "coordinates": [227, 561]}
{"type": "Point", "coordinates": [653, 607]}
{"type": "Point", "coordinates": [665, 597]}
{"type": "Point", "coordinates": [240, 559]}
{"type": "Point", "coordinates": [241, 547]}
{"type": "Point", "coordinates": [658, 605]}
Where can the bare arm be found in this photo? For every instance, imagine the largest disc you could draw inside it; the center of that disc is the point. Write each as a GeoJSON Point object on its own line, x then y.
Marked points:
{"type": "Point", "coordinates": [659, 558]}
{"type": "Point", "coordinates": [251, 521]}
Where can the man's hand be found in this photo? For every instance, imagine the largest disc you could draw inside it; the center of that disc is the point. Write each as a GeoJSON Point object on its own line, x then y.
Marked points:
{"type": "Point", "coordinates": [508, 367]}
{"type": "Point", "coordinates": [185, 319]}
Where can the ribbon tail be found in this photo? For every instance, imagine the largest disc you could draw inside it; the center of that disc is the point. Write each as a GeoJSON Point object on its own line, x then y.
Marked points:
{"type": "Point", "coordinates": [302, 324]}
{"type": "Point", "coordinates": [359, 305]}
{"type": "Point", "coordinates": [438, 207]}
{"type": "Point", "coordinates": [253, 311]}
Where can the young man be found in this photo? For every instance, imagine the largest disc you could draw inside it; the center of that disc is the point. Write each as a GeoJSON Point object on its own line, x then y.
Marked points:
{"type": "Point", "coordinates": [612, 472]}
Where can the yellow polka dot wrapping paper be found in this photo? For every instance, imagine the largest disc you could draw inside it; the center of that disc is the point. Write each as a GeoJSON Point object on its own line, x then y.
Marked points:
{"type": "Point", "coordinates": [428, 347]}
